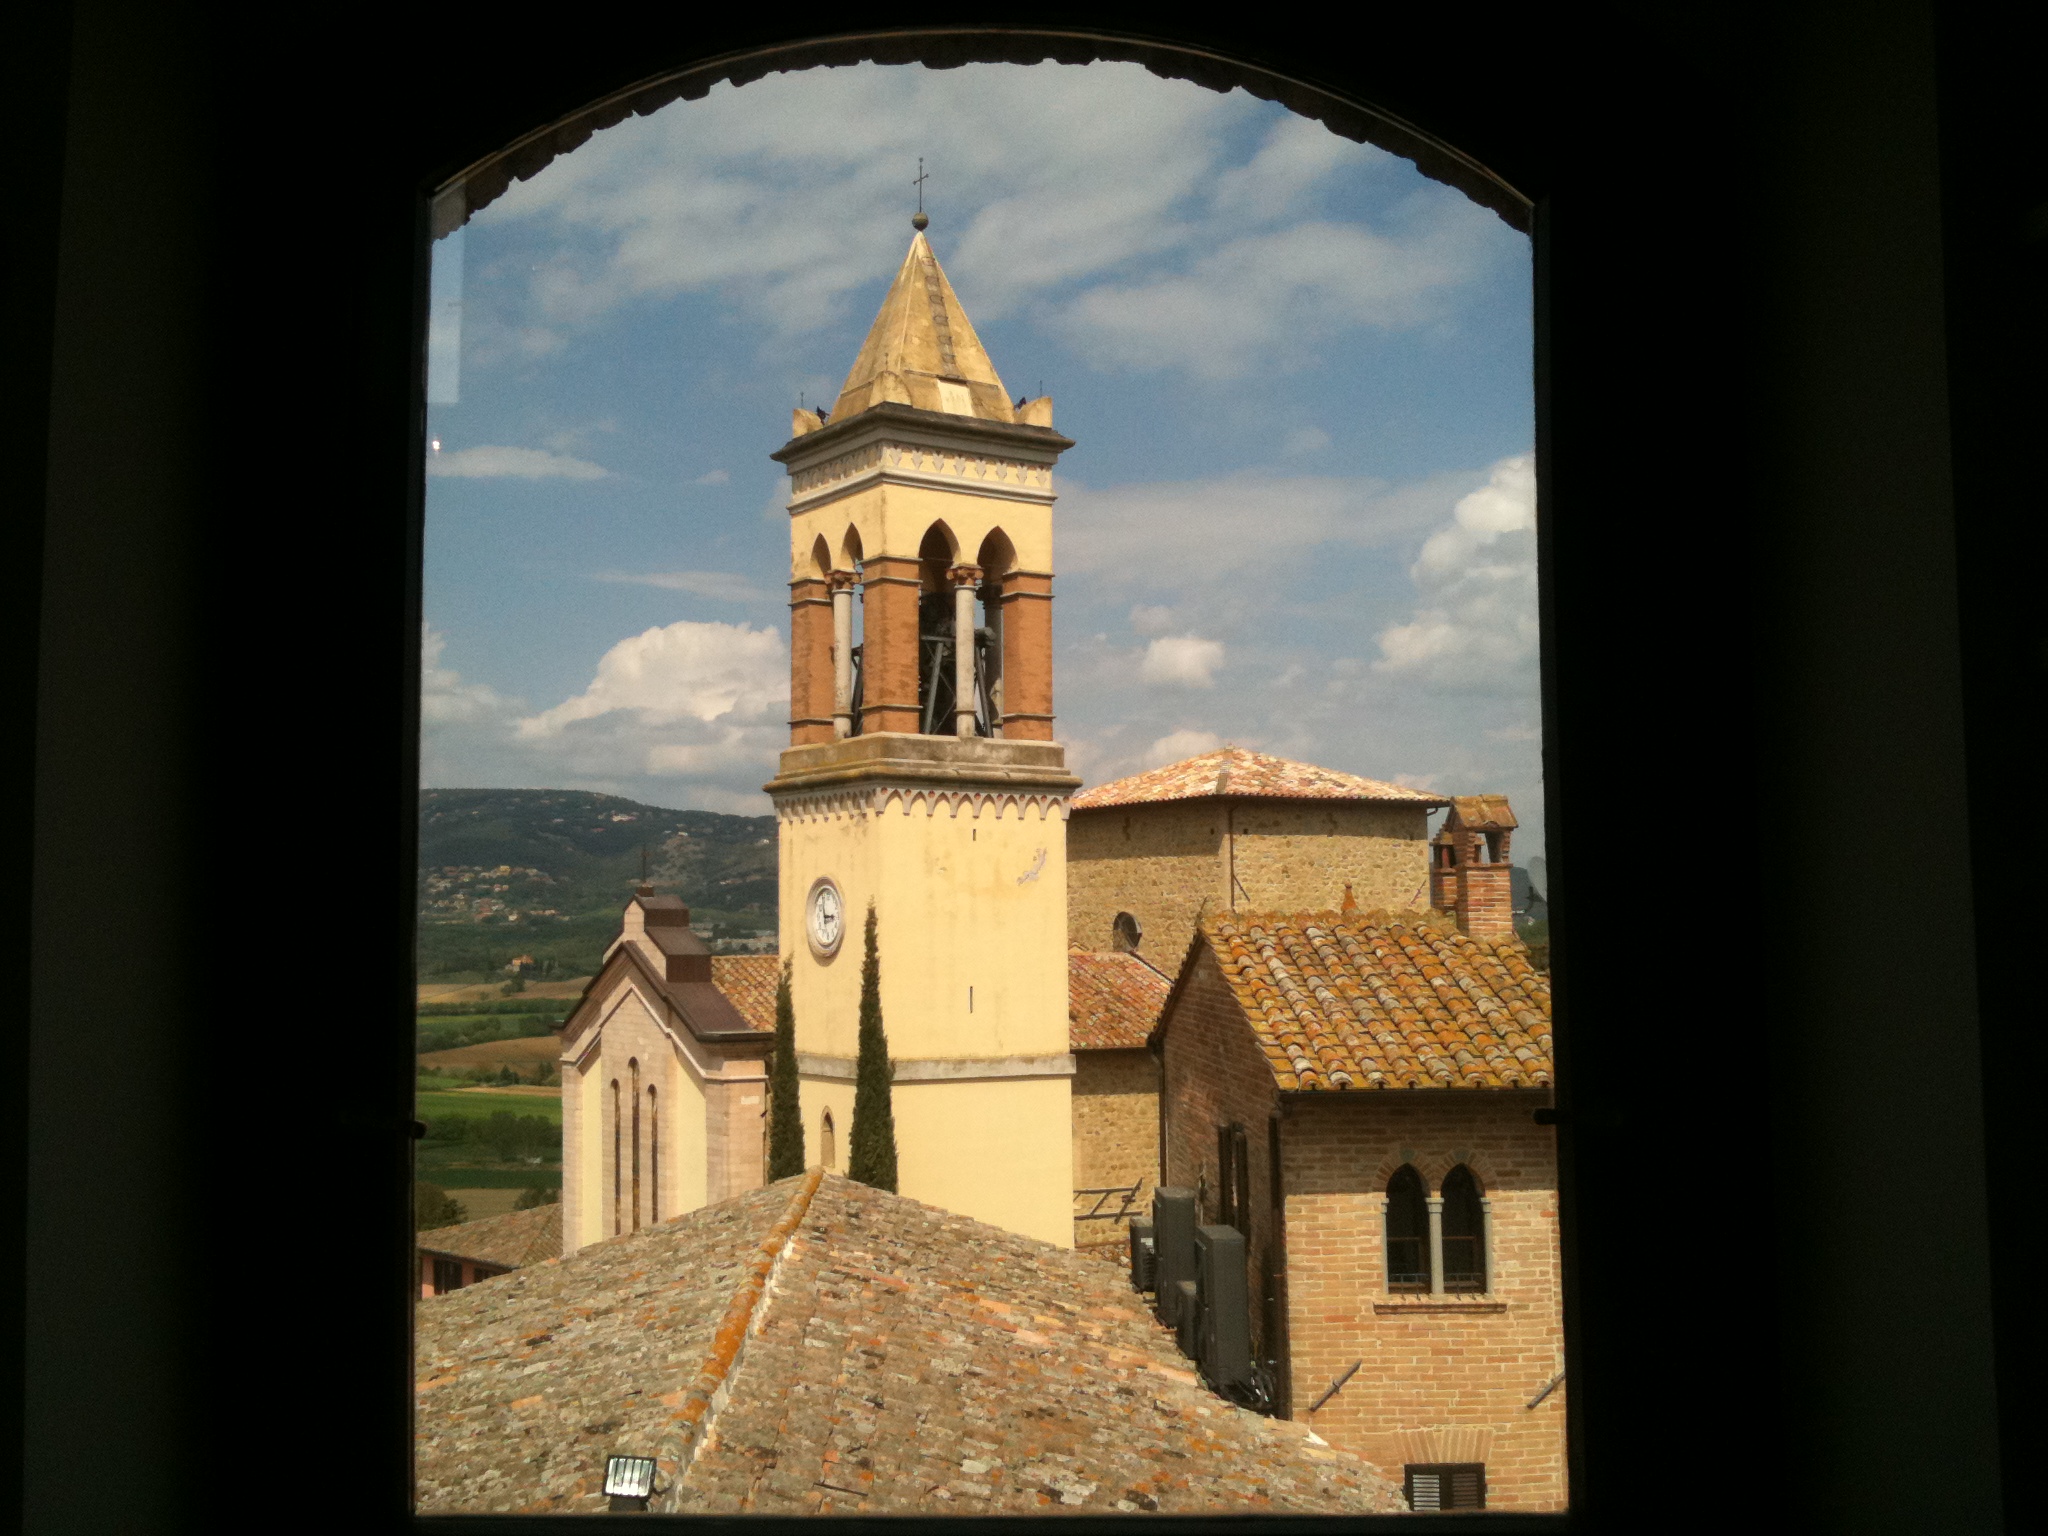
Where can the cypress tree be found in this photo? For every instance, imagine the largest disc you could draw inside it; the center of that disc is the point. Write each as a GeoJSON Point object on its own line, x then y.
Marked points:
{"type": "Point", "coordinates": [785, 1118]}
{"type": "Point", "coordinates": [872, 1156]}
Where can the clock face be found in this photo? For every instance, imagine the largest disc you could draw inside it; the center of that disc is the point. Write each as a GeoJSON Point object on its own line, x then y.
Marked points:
{"type": "Point", "coordinates": [825, 920]}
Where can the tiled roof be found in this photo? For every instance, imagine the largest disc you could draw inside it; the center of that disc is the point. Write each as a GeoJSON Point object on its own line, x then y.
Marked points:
{"type": "Point", "coordinates": [1238, 772]}
{"type": "Point", "coordinates": [819, 1347]}
{"type": "Point", "coordinates": [1378, 1000]}
{"type": "Point", "coordinates": [749, 980]}
{"type": "Point", "coordinates": [514, 1239]}
{"type": "Point", "coordinates": [1113, 1001]}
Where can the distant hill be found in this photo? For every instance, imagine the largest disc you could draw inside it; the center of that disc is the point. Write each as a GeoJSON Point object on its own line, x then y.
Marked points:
{"type": "Point", "coordinates": [506, 873]}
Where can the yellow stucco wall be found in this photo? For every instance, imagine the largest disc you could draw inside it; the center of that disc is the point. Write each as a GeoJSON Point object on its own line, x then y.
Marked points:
{"type": "Point", "coordinates": [892, 520]}
{"type": "Point", "coordinates": [962, 901]}
{"type": "Point", "coordinates": [965, 902]}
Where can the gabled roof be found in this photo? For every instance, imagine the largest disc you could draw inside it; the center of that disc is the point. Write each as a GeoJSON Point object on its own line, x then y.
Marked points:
{"type": "Point", "coordinates": [920, 336]}
{"type": "Point", "coordinates": [512, 1240]}
{"type": "Point", "coordinates": [1477, 811]}
{"type": "Point", "coordinates": [820, 1347]}
{"type": "Point", "coordinates": [703, 1008]}
{"type": "Point", "coordinates": [1239, 773]}
{"type": "Point", "coordinates": [1113, 1000]}
{"type": "Point", "coordinates": [1380, 1000]}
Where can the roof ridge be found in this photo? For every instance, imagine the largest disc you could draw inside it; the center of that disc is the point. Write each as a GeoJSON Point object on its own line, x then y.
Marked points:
{"type": "Point", "coordinates": [692, 1421]}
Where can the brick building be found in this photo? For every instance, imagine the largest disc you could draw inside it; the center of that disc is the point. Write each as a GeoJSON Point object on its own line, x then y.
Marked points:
{"type": "Point", "coordinates": [820, 1347]}
{"type": "Point", "coordinates": [1113, 1002]}
{"type": "Point", "coordinates": [1235, 828]}
{"type": "Point", "coordinates": [1356, 1093]}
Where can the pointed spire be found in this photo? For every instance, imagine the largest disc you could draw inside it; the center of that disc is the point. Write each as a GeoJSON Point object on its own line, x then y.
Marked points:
{"type": "Point", "coordinates": [922, 350]}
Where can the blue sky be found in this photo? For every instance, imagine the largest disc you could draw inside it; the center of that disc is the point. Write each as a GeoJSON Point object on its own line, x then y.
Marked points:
{"type": "Point", "coordinates": [1298, 514]}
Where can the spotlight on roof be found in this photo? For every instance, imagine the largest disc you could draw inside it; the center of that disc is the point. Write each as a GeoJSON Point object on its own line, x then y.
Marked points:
{"type": "Point", "coordinates": [629, 1480]}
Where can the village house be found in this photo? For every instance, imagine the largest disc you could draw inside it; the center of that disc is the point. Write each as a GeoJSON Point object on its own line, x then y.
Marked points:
{"type": "Point", "coordinates": [1357, 1093]}
{"type": "Point", "coordinates": [452, 1257]}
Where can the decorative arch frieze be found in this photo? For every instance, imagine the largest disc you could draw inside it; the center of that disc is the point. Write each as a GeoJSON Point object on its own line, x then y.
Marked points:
{"type": "Point", "coordinates": [878, 800]}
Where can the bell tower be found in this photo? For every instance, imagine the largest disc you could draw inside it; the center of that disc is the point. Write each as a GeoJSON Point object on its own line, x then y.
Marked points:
{"type": "Point", "coordinates": [922, 774]}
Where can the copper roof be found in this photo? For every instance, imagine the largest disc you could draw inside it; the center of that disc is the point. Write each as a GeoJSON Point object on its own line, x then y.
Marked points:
{"type": "Point", "coordinates": [1235, 771]}
{"type": "Point", "coordinates": [820, 1347]}
{"type": "Point", "coordinates": [748, 981]}
{"type": "Point", "coordinates": [514, 1239]}
{"type": "Point", "coordinates": [1378, 1000]}
{"type": "Point", "coordinates": [1113, 1000]}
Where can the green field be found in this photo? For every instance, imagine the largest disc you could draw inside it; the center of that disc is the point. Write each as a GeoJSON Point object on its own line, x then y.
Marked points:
{"type": "Point", "coordinates": [481, 1103]}
{"type": "Point", "coordinates": [462, 1176]}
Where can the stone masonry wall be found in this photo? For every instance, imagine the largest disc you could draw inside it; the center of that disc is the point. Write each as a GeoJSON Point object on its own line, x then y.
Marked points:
{"type": "Point", "coordinates": [1213, 1074]}
{"type": "Point", "coordinates": [1158, 863]}
{"type": "Point", "coordinates": [1161, 862]}
{"type": "Point", "coordinates": [1445, 1378]}
{"type": "Point", "coordinates": [1116, 1135]}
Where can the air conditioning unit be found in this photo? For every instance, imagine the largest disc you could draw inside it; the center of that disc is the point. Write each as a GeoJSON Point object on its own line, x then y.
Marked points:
{"type": "Point", "coordinates": [1224, 1331]}
{"type": "Point", "coordinates": [1187, 1318]}
{"type": "Point", "coordinates": [1173, 1242]}
{"type": "Point", "coordinates": [1144, 1256]}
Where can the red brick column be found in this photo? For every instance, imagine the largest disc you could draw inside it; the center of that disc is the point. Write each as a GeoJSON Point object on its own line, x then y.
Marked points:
{"type": "Point", "coordinates": [1027, 656]}
{"type": "Point", "coordinates": [810, 661]}
{"type": "Point", "coordinates": [1486, 901]}
{"type": "Point", "coordinates": [889, 644]}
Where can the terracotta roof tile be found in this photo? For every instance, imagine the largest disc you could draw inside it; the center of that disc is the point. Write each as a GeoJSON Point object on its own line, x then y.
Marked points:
{"type": "Point", "coordinates": [1385, 1000]}
{"type": "Point", "coordinates": [1113, 1000]}
{"type": "Point", "coordinates": [839, 1352]}
{"type": "Point", "coordinates": [1236, 771]}
{"type": "Point", "coordinates": [749, 981]}
{"type": "Point", "coordinates": [513, 1239]}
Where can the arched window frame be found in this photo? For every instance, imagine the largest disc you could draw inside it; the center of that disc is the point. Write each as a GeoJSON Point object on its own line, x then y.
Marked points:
{"type": "Point", "coordinates": [1405, 1232]}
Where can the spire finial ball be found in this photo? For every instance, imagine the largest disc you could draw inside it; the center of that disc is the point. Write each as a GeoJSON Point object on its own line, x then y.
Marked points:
{"type": "Point", "coordinates": [918, 220]}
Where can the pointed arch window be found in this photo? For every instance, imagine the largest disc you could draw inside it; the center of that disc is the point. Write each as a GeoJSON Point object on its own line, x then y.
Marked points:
{"type": "Point", "coordinates": [1407, 1231]}
{"type": "Point", "coordinates": [828, 1146]}
{"type": "Point", "coordinates": [1465, 1255]}
{"type": "Point", "coordinates": [653, 1155]}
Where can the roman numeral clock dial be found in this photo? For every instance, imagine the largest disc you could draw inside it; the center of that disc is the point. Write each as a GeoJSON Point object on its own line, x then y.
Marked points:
{"type": "Point", "coordinates": [825, 918]}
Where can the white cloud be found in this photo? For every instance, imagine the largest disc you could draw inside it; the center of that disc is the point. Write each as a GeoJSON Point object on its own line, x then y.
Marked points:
{"type": "Point", "coordinates": [686, 671]}
{"type": "Point", "coordinates": [1124, 167]}
{"type": "Point", "coordinates": [1234, 526]}
{"type": "Point", "coordinates": [720, 586]}
{"type": "Point", "coordinates": [1151, 620]}
{"type": "Point", "coordinates": [1186, 661]}
{"type": "Point", "coordinates": [1180, 745]}
{"type": "Point", "coordinates": [1306, 440]}
{"type": "Point", "coordinates": [713, 477]}
{"type": "Point", "coordinates": [492, 463]}
{"type": "Point", "coordinates": [445, 699]}
{"type": "Point", "coordinates": [1264, 301]}
{"type": "Point", "coordinates": [1476, 580]}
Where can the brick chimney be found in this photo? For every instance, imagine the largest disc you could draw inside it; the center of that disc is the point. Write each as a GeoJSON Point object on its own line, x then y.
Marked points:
{"type": "Point", "coordinates": [1469, 870]}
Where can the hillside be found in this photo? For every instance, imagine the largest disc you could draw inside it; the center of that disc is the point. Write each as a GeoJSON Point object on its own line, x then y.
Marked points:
{"type": "Point", "coordinates": [506, 873]}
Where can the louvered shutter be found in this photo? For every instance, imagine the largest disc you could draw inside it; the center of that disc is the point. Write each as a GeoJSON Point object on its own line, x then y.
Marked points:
{"type": "Point", "coordinates": [1425, 1489]}
{"type": "Point", "coordinates": [1468, 1488]}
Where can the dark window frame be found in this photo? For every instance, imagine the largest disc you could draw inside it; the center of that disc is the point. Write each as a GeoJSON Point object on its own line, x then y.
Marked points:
{"type": "Point", "coordinates": [133, 133]}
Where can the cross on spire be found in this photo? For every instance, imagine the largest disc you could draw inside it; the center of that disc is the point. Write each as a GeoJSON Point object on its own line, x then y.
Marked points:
{"type": "Point", "coordinates": [919, 220]}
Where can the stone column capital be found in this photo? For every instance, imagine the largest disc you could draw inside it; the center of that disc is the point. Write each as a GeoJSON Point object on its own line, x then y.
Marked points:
{"type": "Point", "coordinates": [964, 575]}
{"type": "Point", "coordinates": [842, 581]}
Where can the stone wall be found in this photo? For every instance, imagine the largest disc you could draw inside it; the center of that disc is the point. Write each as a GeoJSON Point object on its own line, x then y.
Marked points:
{"type": "Point", "coordinates": [1161, 862]}
{"type": "Point", "coordinates": [1445, 1378]}
{"type": "Point", "coordinates": [1116, 1135]}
